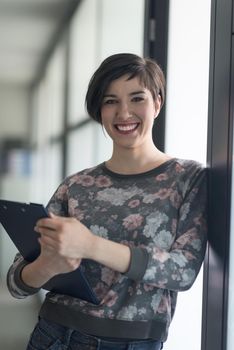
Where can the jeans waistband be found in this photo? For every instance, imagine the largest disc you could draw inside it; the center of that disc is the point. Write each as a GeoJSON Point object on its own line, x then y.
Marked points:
{"type": "Point", "coordinates": [65, 334]}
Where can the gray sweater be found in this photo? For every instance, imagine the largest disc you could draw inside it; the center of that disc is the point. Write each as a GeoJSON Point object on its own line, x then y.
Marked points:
{"type": "Point", "coordinates": [161, 216]}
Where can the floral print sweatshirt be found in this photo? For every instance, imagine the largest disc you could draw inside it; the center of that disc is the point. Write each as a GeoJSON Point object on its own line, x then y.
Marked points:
{"type": "Point", "coordinates": [161, 216]}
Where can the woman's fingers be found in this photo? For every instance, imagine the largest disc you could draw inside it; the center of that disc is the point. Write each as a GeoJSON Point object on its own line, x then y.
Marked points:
{"type": "Point", "coordinates": [54, 222]}
{"type": "Point", "coordinates": [46, 223]}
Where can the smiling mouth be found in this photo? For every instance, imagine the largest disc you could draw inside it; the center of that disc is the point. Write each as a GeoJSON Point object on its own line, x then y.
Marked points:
{"type": "Point", "coordinates": [126, 128]}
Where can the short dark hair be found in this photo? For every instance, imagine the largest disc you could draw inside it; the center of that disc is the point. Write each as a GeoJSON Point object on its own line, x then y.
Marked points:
{"type": "Point", "coordinates": [115, 66]}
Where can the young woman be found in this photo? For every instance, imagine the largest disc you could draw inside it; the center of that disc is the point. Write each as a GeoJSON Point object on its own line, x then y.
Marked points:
{"type": "Point", "coordinates": [137, 222]}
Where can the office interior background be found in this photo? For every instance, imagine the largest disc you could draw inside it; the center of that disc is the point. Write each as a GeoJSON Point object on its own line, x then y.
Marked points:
{"type": "Point", "coordinates": [49, 50]}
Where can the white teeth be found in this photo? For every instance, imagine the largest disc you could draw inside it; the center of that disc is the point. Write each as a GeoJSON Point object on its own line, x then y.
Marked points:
{"type": "Point", "coordinates": [128, 127]}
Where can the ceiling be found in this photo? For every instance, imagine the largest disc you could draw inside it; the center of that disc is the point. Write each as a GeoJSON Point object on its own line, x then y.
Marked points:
{"type": "Point", "coordinates": [26, 29]}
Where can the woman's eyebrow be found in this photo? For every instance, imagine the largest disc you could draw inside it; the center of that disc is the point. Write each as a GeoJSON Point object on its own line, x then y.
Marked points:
{"type": "Point", "coordinates": [109, 95]}
{"type": "Point", "coordinates": [131, 94]}
{"type": "Point", "coordinates": [137, 92]}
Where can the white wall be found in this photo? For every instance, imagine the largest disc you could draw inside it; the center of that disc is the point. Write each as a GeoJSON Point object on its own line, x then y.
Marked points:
{"type": "Point", "coordinates": [186, 131]}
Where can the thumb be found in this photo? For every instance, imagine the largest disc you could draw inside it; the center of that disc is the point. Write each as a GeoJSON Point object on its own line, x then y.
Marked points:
{"type": "Point", "coordinates": [52, 215]}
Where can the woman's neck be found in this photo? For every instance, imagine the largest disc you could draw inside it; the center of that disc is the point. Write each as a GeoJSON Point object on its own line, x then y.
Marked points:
{"type": "Point", "coordinates": [133, 162]}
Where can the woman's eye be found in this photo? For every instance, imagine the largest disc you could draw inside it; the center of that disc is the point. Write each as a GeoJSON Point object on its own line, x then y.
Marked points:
{"type": "Point", "coordinates": [137, 99]}
{"type": "Point", "coordinates": [109, 102]}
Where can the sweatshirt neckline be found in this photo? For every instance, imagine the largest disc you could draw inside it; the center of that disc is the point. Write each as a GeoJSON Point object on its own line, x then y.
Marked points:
{"type": "Point", "coordinates": [153, 171]}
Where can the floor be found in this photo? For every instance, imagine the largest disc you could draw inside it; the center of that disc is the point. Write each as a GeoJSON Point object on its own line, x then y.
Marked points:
{"type": "Point", "coordinates": [17, 319]}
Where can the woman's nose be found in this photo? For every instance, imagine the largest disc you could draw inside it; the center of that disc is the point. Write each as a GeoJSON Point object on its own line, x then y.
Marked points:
{"type": "Point", "coordinates": [123, 111]}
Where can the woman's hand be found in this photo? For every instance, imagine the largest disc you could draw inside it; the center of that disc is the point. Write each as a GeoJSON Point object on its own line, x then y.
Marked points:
{"type": "Point", "coordinates": [64, 241]}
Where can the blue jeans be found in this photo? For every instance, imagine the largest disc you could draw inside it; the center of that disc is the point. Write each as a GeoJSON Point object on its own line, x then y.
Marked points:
{"type": "Point", "coordinates": [51, 336]}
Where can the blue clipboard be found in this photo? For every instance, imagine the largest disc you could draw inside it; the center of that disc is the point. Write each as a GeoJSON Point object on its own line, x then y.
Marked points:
{"type": "Point", "coordinates": [18, 220]}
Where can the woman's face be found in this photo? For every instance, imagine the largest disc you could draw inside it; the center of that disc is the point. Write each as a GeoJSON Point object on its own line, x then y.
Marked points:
{"type": "Point", "coordinates": [128, 112]}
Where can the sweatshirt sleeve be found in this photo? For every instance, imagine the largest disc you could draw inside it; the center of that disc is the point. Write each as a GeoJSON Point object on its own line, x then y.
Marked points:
{"type": "Point", "coordinates": [177, 268]}
{"type": "Point", "coordinates": [16, 286]}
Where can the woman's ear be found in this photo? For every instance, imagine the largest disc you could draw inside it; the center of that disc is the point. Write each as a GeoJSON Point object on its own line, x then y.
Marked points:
{"type": "Point", "coordinates": [158, 103]}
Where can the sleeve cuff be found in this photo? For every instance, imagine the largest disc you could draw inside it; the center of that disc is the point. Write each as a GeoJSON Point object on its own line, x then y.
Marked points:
{"type": "Point", "coordinates": [138, 263]}
{"type": "Point", "coordinates": [20, 284]}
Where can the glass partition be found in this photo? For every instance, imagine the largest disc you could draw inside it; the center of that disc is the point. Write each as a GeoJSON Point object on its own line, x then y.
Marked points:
{"type": "Point", "coordinates": [55, 90]}
{"type": "Point", "coordinates": [81, 149]}
{"type": "Point", "coordinates": [47, 128]}
{"type": "Point", "coordinates": [83, 52]}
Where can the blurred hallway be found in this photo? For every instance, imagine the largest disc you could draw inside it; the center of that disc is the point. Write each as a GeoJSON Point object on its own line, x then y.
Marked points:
{"type": "Point", "coordinates": [17, 319]}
